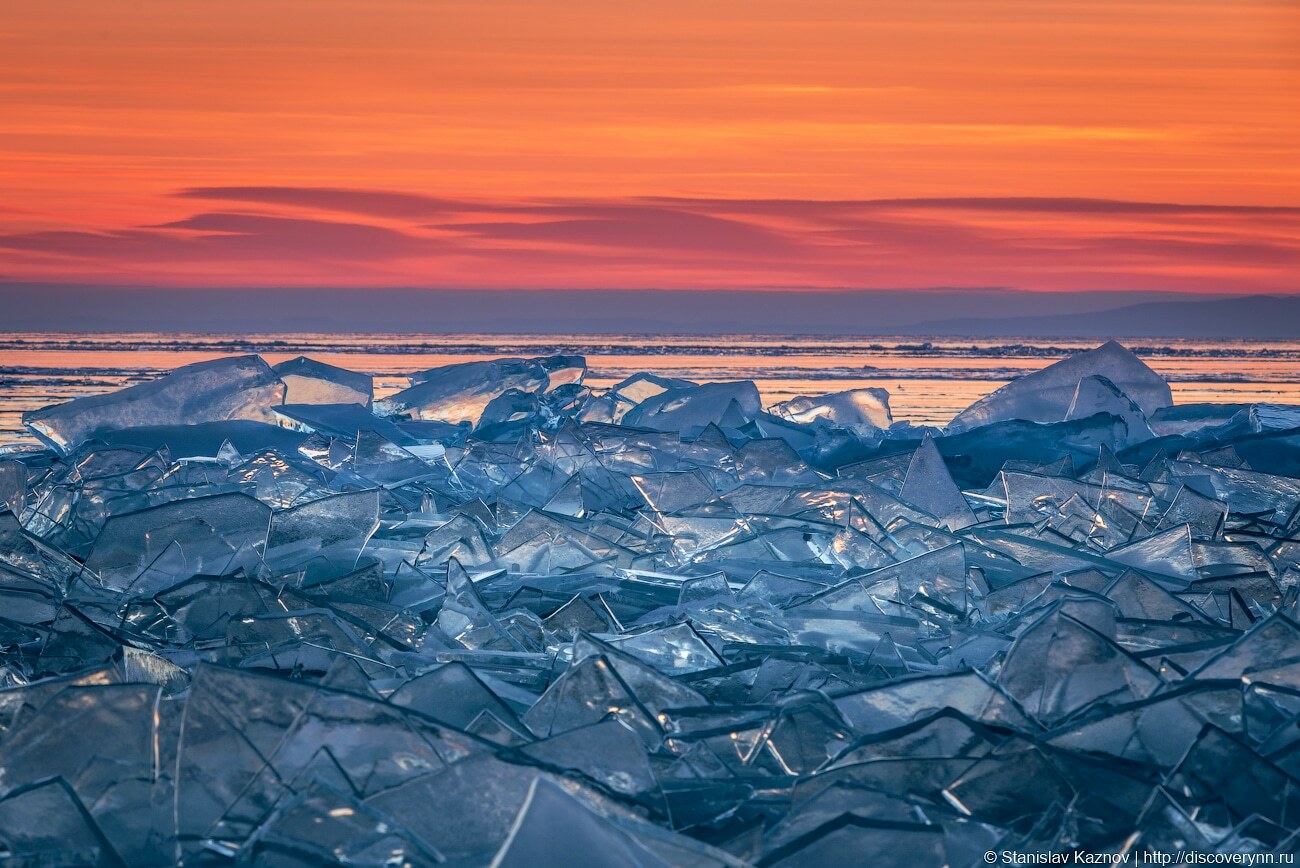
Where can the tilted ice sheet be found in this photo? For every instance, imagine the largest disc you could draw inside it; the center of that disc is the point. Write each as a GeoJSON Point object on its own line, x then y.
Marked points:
{"type": "Point", "coordinates": [308, 381]}
{"type": "Point", "coordinates": [238, 387]}
{"type": "Point", "coordinates": [1048, 394]}
{"type": "Point", "coordinates": [460, 392]}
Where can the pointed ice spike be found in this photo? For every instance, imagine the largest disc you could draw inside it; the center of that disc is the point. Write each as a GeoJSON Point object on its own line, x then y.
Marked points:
{"type": "Point", "coordinates": [1168, 553]}
{"type": "Point", "coordinates": [228, 454]}
{"type": "Point", "coordinates": [929, 486]}
{"type": "Point", "coordinates": [1096, 394]}
{"type": "Point", "coordinates": [464, 616]}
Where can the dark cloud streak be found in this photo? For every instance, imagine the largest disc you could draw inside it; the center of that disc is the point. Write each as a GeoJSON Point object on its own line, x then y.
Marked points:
{"type": "Point", "coordinates": [306, 236]}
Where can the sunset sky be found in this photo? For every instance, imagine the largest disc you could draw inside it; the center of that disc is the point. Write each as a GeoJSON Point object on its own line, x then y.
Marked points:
{"type": "Point", "coordinates": [833, 144]}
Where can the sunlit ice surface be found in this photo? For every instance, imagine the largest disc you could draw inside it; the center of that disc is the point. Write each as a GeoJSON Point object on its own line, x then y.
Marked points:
{"type": "Point", "coordinates": [512, 602]}
{"type": "Point", "coordinates": [929, 379]}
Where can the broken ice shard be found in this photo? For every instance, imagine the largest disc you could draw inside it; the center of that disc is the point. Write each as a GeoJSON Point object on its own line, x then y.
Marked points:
{"type": "Point", "coordinates": [1048, 395]}
{"type": "Point", "coordinates": [459, 393]}
{"type": "Point", "coordinates": [690, 409]}
{"type": "Point", "coordinates": [928, 485]}
{"type": "Point", "coordinates": [854, 407]}
{"type": "Point", "coordinates": [239, 387]}
{"type": "Point", "coordinates": [308, 381]}
{"type": "Point", "coordinates": [511, 619]}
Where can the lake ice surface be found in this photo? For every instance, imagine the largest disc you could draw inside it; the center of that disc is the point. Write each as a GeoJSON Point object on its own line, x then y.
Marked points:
{"type": "Point", "coordinates": [510, 614]}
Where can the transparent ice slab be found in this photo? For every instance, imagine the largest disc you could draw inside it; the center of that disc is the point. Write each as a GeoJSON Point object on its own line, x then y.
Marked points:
{"type": "Point", "coordinates": [237, 387]}
{"type": "Point", "coordinates": [1047, 395]}
{"type": "Point", "coordinates": [459, 393]}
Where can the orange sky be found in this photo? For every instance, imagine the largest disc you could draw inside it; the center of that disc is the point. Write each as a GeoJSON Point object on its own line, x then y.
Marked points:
{"type": "Point", "coordinates": [648, 138]}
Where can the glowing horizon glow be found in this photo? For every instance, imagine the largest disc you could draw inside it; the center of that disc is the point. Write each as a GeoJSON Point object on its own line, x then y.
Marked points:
{"type": "Point", "coordinates": [825, 144]}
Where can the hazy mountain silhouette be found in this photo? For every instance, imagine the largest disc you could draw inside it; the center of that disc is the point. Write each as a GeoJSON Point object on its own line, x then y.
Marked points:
{"type": "Point", "coordinates": [1255, 316]}
{"type": "Point", "coordinates": [974, 312]}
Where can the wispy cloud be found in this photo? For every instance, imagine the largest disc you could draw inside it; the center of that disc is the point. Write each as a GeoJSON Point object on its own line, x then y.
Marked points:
{"type": "Point", "coordinates": [378, 203]}
{"type": "Point", "coordinates": [357, 237]}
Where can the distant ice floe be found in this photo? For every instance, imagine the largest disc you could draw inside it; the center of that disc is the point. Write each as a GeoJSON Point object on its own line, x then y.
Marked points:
{"type": "Point", "coordinates": [252, 616]}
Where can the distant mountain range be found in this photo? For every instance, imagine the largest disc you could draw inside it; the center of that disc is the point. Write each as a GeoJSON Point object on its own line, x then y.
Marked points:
{"type": "Point", "coordinates": [1255, 316]}
{"type": "Point", "coordinates": [975, 312]}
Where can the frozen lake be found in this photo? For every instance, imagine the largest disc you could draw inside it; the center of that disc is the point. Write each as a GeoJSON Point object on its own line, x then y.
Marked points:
{"type": "Point", "coordinates": [929, 381]}
{"type": "Point", "coordinates": [301, 623]}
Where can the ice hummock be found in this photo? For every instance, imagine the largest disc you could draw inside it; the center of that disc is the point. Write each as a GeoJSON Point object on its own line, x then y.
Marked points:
{"type": "Point", "coordinates": [308, 381]}
{"type": "Point", "coordinates": [237, 387]}
{"type": "Point", "coordinates": [691, 409]}
{"type": "Point", "coordinates": [868, 407]}
{"type": "Point", "coordinates": [527, 622]}
{"type": "Point", "coordinates": [1048, 395]}
{"type": "Point", "coordinates": [460, 392]}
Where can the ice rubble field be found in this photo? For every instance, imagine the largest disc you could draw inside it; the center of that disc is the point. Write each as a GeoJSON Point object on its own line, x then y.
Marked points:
{"type": "Point", "coordinates": [250, 616]}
